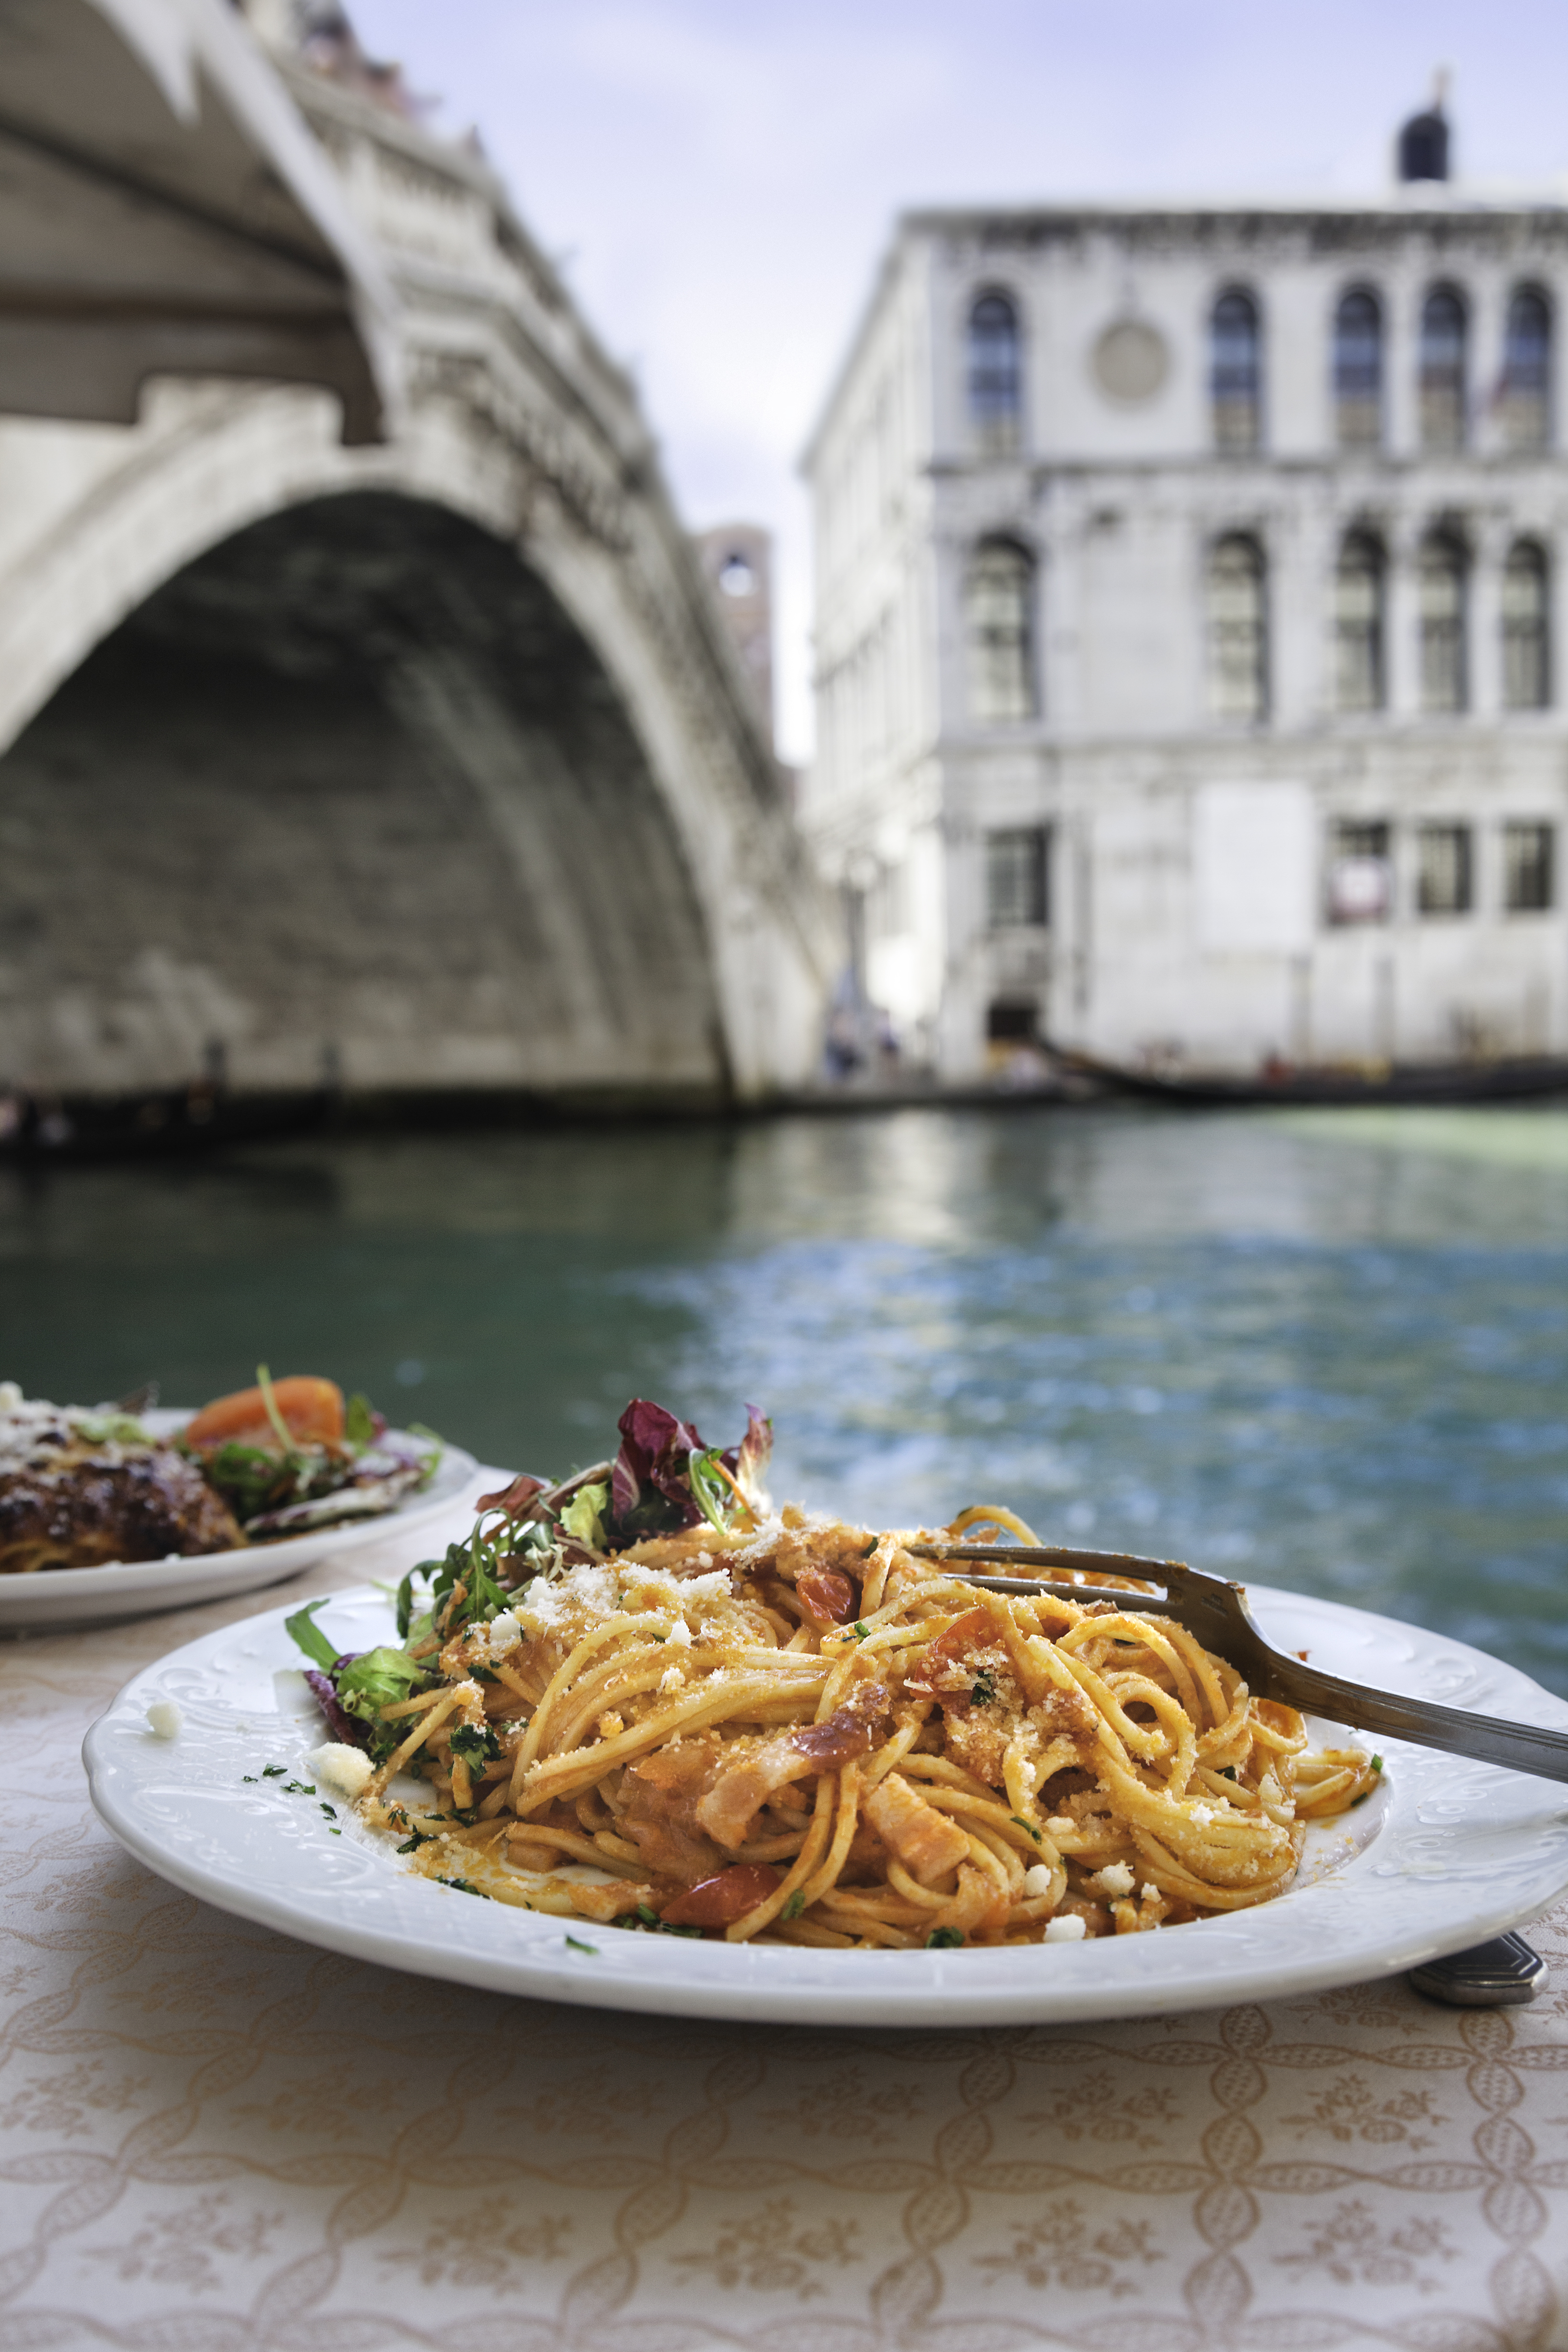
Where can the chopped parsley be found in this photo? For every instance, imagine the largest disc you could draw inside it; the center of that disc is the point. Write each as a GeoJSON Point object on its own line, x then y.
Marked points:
{"type": "Point", "coordinates": [650, 1921]}
{"type": "Point", "coordinates": [476, 1744]}
{"type": "Point", "coordinates": [944, 1940]}
{"type": "Point", "coordinates": [250, 1777]}
{"type": "Point", "coordinates": [273, 1771]}
{"type": "Point", "coordinates": [418, 1838]}
{"type": "Point", "coordinates": [299, 1789]}
{"type": "Point", "coordinates": [1022, 1824]}
{"type": "Point", "coordinates": [862, 1633]}
{"type": "Point", "coordinates": [795, 1905]}
{"type": "Point", "coordinates": [1227, 1772]}
{"type": "Point", "coordinates": [464, 1885]}
{"type": "Point", "coordinates": [1377, 1763]}
{"type": "Point", "coordinates": [573, 1943]}
{"type": "Point", "coordinates": [985, 1688]}
{"type": "Point", "coordinates": [331, 1812]}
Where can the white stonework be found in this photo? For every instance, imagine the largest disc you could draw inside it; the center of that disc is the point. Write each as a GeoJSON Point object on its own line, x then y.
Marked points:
{"type": "Point", "coordinates": [1200, 890]}
{"type": "Point", "coordinates": [516, 420]}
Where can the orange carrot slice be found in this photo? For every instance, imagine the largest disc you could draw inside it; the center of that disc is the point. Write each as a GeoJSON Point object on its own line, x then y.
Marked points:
{"type": "Point", "coordinates": [311, 1410]}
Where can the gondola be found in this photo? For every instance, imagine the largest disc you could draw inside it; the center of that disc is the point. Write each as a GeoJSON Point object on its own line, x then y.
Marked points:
{"type": "Point", "coordinates": [177, 1122]}
{"type": "Point", "coordinates": [1278, 1083]}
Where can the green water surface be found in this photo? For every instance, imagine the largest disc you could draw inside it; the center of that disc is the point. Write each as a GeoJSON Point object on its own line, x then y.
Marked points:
{"type": "Point", "coordinates": [1326, 1350]}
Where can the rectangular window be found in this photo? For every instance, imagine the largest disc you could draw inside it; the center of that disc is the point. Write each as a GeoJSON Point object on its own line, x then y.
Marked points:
{"type": "Point", "coordinates": [1360, 874]}
{"type": "Point", "coordinates": [1443, 870]}
{"type": "Point", "coordinates": [1017, 879]}
{"type": "Point", "coordinates": [1528, 853]}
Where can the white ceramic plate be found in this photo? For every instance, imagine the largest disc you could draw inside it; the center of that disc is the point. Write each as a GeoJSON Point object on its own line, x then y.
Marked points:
{"type": "Point", "coordinates": [137, 1588]}
{"type": "Point", "coordinates": [1446, 1854]}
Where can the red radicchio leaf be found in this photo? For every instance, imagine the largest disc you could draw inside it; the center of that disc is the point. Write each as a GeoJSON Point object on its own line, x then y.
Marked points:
{"type": "Point", "coordinates": [655, 1449]}
{"type": "Point", "coordinates": [341, 1727]}
{"type": "Point", "coordinates": [750, 1463]}
{"type": "Point", "coordinates": [513, 1499]}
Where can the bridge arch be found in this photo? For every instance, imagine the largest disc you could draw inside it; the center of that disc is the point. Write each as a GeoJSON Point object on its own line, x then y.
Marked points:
{"type": "Point", "coordinates": [683, 942]}
{"type": "Point", "coordinates": [352, 786]}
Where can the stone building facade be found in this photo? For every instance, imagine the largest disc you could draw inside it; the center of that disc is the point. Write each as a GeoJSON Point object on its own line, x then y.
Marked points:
{"type": "Point", "coordinates": [1190, 664]}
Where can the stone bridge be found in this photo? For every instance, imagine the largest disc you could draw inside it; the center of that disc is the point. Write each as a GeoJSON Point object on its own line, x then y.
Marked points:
{"type": "Point", "coordinates": [428, 763]}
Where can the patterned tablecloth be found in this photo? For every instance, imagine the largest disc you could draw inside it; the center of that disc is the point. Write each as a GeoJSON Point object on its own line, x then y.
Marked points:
{"type": "Point", "coordinates": [214, 2139]}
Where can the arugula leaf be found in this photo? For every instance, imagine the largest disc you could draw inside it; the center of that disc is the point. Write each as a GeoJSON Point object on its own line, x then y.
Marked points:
{"type": "Point", "coordinates": [309, 1637]}
{"type": "Point", "coordinates": [359, 1421]}
{"type": "Point", "coordinates": [585, 1515]}
{"type": "Point", "coordinates": [710, 1492]}
{"type": "Point", "coordinates": [944, 1940]}
{"type": "Point", "coordinates": [280, 1428]}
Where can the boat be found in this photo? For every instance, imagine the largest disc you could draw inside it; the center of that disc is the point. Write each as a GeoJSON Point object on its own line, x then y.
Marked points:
{"type": "Point", "coordinates": [174, 1122]}
{"type": "Point", "coordinates": [1280, 1082]}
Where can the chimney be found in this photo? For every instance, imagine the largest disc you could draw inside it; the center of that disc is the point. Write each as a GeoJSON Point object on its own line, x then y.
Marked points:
{"type": "Point", "coordinates": [1424, 140]}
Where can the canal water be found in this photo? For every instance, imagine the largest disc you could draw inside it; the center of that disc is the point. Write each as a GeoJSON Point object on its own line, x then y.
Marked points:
{"type": "Point", "coordinates": [1323, 1350]}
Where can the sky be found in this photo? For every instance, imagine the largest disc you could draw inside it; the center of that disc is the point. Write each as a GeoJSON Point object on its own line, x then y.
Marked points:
{"type": "Point", "coordinates": [717, 178]}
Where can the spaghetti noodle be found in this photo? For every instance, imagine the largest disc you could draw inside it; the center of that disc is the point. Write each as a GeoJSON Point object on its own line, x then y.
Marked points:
{"type": "Point", "coordinates": [785, 1728]}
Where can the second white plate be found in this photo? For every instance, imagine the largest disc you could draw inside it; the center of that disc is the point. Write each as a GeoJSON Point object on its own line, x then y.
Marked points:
{"type": "Point", "coordinates": [1445, 1855]}
{"type": "Point", "coordinates": [138, 1587]}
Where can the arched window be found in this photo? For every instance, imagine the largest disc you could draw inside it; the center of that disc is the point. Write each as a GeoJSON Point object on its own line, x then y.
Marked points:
{"type": "Point", "coordinates": [1442, 369]}
{"type": "Point", "coordinates": [1358, 372]}
{"type": "Point", "coordinates": [1237, 633]}
{"type": "Point", "coordinates": [998, 596]}
{"type": "Point", "coordinates": [1358, 623]}
{"type": "Point", "coordinates": [995, 374]}
{"type": "Point", "coordinates": [1236, 372]}
{"type": "Point", "coordinates": [1527, 371]}
{"type": "Point", "coordinates": [1526, 670]}
{"type": "Point", "coordinates": [1442, 599]}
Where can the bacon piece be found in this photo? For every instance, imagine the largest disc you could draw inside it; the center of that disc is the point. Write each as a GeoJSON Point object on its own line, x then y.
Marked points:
{"type": "Point", "coordinates": [978, 1908]}
{"type": "Point", "coordinates": [828, 1597]}
{"type": "Point", "coordinates": [729, 1895]}
{"type": "Point", "coordinates": [606, 1902]}
{"type": "Point", "coordinates": [656, 1809]}
{"type": "Point", "coordinates": [926, 1678]}
{"type": "Point", "coordinates": [847, 1731]}
{"type": "Point", "coordinates": [752, 1770]}
{"type": "Point", "coordinates": [930, 1844]}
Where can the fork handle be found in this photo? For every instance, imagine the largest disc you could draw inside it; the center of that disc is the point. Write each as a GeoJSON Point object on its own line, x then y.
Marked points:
{"type": "Point", "coordinates": [1486, 1739]}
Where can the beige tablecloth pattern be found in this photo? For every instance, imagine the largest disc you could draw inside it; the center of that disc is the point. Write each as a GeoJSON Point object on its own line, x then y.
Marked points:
{"type": "Point", "coordinates": [214, 2139]}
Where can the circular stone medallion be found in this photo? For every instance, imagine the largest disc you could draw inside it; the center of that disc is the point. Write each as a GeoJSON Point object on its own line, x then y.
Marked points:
{"type": "Point", "coordinates": [1131, 360]}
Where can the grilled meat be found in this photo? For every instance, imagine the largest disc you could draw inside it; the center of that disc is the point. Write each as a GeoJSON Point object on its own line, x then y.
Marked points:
{"type": "Point", "coordinates": [78, 1490]}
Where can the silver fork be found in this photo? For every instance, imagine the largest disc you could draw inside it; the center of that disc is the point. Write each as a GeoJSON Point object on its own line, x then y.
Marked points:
{"type": "Point", "coordinates": [1214, 1611]}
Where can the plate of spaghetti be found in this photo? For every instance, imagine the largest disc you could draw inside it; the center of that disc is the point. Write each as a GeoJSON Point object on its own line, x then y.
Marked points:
{"type": "Point", "coordinates": [641, 1740]}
